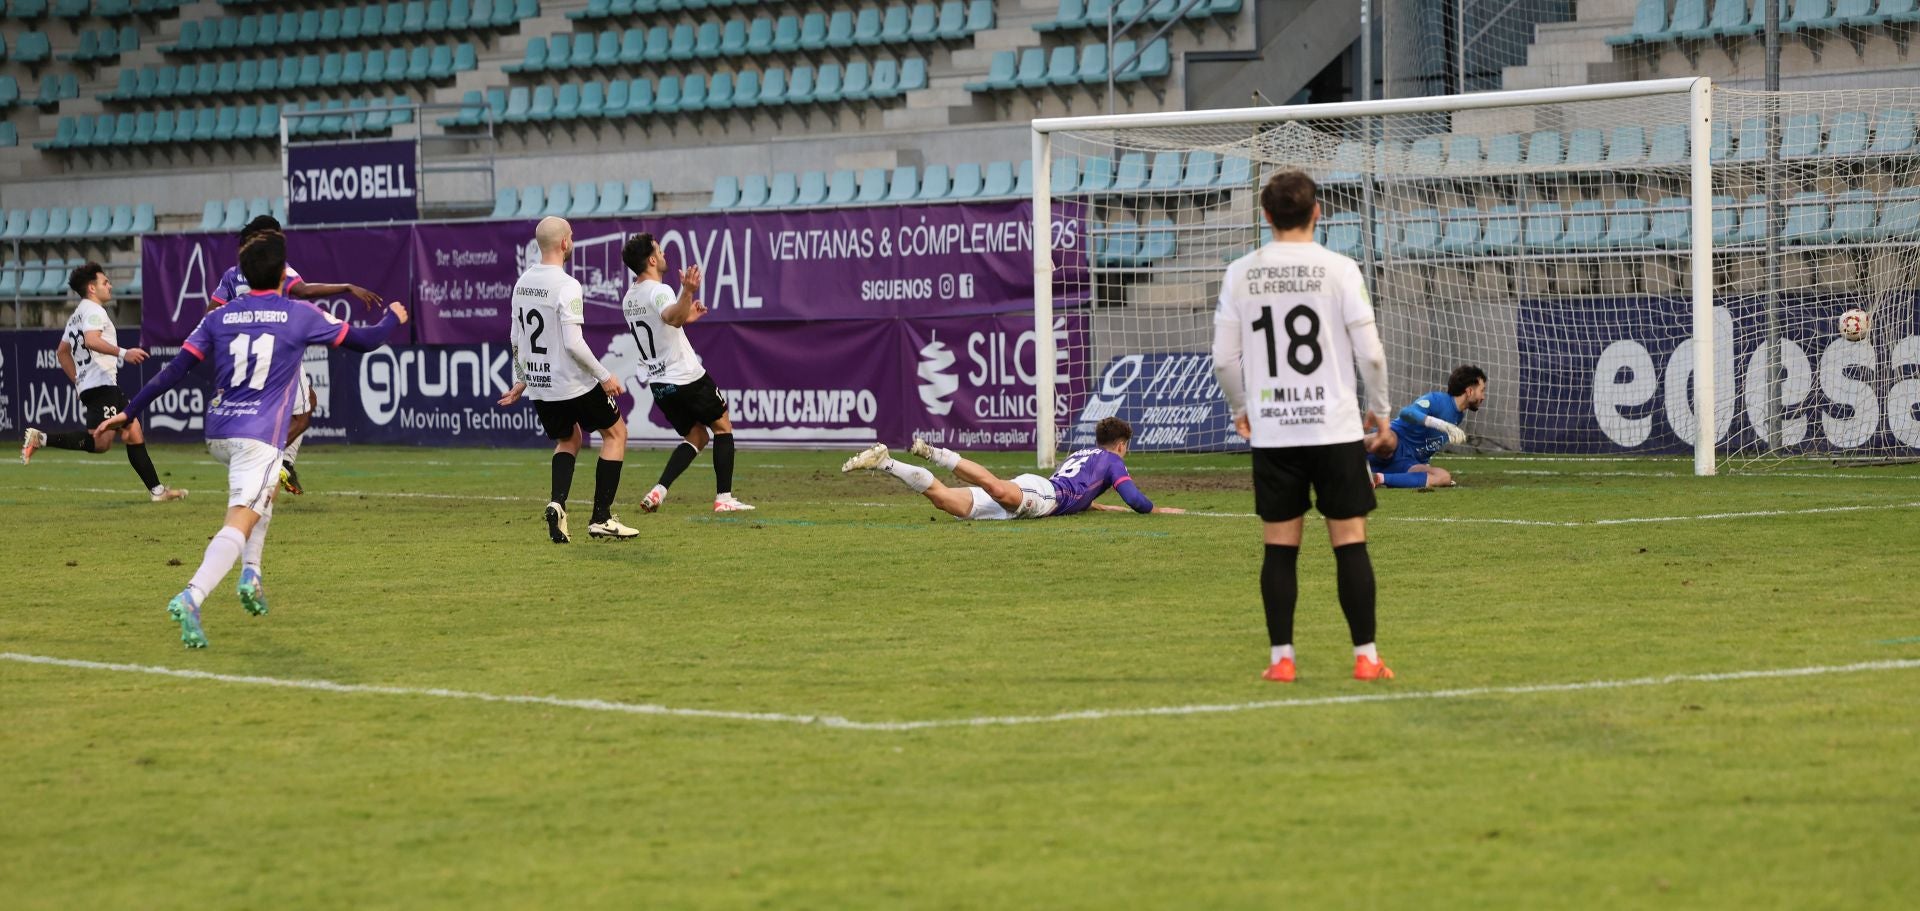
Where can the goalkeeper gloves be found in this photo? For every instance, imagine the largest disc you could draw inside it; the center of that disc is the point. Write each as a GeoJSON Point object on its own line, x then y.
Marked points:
{"type": "Point", "coordinates": [1455, 435]}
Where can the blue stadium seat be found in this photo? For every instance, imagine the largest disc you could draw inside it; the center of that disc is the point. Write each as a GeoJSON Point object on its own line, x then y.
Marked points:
{"type": "Point", "coordinates": [784, 191]}
{"type": "Point", "coordinates": [640, 97]}
{"type": "Point", "coordinates": [1893, 133]}
{"type": "Point", "coordinates": [857, 85]}
{"type": "Point", "coordinates": [143, 219]}
{"type": "Point", "coordinates": [813, 189]}
{"type": "Point", "coordinates": [873, 186]}
{"type": "Point", "coordinates": [1501, 232]}
{"type": "Point", "coordinates": [1001, 74]}
{"type": "Point", "coordinates": [1543, 227]}
{"type": "Point", "coordinates": [753, 191]}
{"type": "Point", "coordinates": [1460, 232]}
{"type": "Point", "coordinates": [1585, 147]}
{"type": "Point", "coordinates": [1627, 145]}
{"type": "Point", "coordinates": [1751, 141]}
{"type": "Point", "coordinates": [1419, 233]}
{"type": "Point", "coordinates": [841, 187]}
{"type": "Point", "coordinates": [903, 184]}
{"type": "Point", "coordinates": [913, 74]}
{"type": "Point", "coordinates": [1854, 219]}
{"type": "Point", "coordinates": [1033, 68]}
{"type": "Point", "coordinates": [693, 93]}
{"type": "Point", "coordinates": [1096, 175]}
{"type": "Point", "coordinates": [1505, 149]}
{"type": "Point", "coordinates": [1807, 217]}
{"type": "Point", "coordinates": [726, 192]}
{"type": "Point", "coordinates": [1463, 153]}
{"type": "Point", "coordinates": [1164, 173]}
{"type": "Point", "coordinates": [1116, 245]}
{"type": "Point", "coordinates": [1159, 243]}
{"type": "Point", "coordinates": [1899, 218]}
{"type": "Point", "coordinates": [1586, 226]}
{"type": "Point", "coordinates": [586, 198]}
{"type": "Point", "coordinates": [1849, 134]}
{"type": "Point", "coordinates": [998, 179]}
{"type": "Point", "coordinates": [800, 86]}
{"type": "Point", "coordinates": [924, 23]}
{"type": "Point", "coordinates": [827, 84]}
{"type": "Point", "coordinates": [813, 31]}
{"type": "Point", "coordinates": [1063, 67]}
{"type": "Point", "coordinates": [760, 37]}
{"type": "Point", "coordinates": [1064, 176]}
{"type": "Point", "coordinates": [1131, 174]}
{"type": "Point", "coordinates": [896, 25]}
{"type": "Point", "coordinates": [1543, 148]}
{"type": "Point", "coordinates": [773, 87]}
{"type": "Point", "coordinates": [533, 202]}
{"type": "Point", "coordinates": [559, 199]}
{"type": "Point", "coordinates": [15, 225]}
{"type": "Point", "coordinates": [786, 34]}
{"type": "Point", "coordinates": [979, 16]}
{"type": "Point", "coordinates": [967, 182]}
{"type": "Point", "coordinates": [1629, 226]}
{"type": "Point", "coordinates": [1649, 25]}
{"type": "Point", "coordinates": [1669, 144]}
{"type": "Point", "coordinates": [612, 196]}
{"type": "Point", "coordinates": [1801, 137]}
{"type": "Point", "coordinates": [505, 202]}
{"type": "Point", "coordinates": [886, 79]}
{"type": "Point", "coordinates": [706, 42]}
{"type": "Point", "coordinates": [866, 29]}
{"type": "Point", "coordinates": [234, 215]}
{"type": "Point", "coordinates": [639, 198]}
{"type": "Point", "coordinates": [1669, 225]}
{"type": "Point", "coordinates": [935, 183]}
{"type": "Point", "coordinates": [1203, 168]}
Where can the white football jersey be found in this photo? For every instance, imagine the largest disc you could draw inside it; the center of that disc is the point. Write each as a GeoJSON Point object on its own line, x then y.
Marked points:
{"type": "Point", "coordinates": [544, 299]}
{"type": "Point", "coordinates": [668, 356]}
{"type": "Point", "coordinates": [92, 369]}
{"type": "Point", "coordinates": [1288, 314]}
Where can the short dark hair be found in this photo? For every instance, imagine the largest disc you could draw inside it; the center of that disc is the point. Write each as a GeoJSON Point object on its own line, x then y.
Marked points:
{"type": "Point", "coordinates": [1288, 200]}
{"type": "Point", "coordinates": [1110, 431]}
{"type": "Point", "coordinates": [263, 260]}
{"type": "Point", "coordinates": [1463, 378]}
{"type": "Point", "coordinates": [636, 252]}
{"type": "Point", "coordinates": [259, 225]}
{"type": "Point", "coordinates": [82, 276]}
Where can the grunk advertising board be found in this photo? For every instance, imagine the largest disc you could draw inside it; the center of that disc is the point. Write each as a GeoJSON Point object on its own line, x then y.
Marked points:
{"type": "Point", "coordinates": [824, 327]}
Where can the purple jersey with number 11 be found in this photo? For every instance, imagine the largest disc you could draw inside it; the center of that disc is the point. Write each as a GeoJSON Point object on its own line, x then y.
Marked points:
{"type": "Point", "coordinates": [256, 343]}
{"type": "Point", "coordinates": [1087, 474]}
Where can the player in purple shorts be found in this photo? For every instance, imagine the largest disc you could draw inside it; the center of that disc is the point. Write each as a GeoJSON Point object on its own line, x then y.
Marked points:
{"type": "Point", "coordinates": [1079, 480]}
{"type": "Point", "coordinates": [255, 342]}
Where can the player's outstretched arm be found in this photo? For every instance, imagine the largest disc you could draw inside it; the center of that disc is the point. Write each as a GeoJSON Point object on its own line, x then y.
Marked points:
{"type": "Point", "coordinates": [169, 377]}
{"type": "Point", "coordinates": [356, 338]}
{"type": "Point", "coordinates": [308, 291]}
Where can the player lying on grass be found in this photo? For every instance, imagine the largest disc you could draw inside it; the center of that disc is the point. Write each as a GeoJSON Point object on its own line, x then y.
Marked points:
{"type": "Point", "coordinates": [1423, 429]}
{"type": "Point", "coordinates": [1084, 476]}
{"type": "Point", "coordinates": [256, 342]}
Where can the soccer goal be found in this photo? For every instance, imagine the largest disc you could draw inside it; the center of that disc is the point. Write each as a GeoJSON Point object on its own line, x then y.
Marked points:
{"type": "Point", "coordinates": [1619, 258]}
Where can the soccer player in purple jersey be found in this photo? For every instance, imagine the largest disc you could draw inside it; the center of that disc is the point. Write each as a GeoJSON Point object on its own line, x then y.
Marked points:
{"type": "Point", "coordinates": [256, 343]}
{"type": "Point", "coordinates": [1079, 480]}
{"type": "Point", "coordinates": [233, 285]}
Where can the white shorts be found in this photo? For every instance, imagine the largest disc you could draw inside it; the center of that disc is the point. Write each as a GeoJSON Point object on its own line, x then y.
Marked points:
{"type": "Point", "coordinates": [302, 403]}
{"type": "Point", "coordinates": [1037, 501]}
{"type": "Point", "coordinates": [253, 471]}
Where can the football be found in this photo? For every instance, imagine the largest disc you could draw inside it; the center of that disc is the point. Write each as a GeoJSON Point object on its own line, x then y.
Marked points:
{"type": "Point", "coordinates": [1853, 324]}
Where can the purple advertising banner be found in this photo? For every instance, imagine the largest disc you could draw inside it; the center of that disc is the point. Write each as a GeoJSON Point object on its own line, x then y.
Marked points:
{"type": "Point", "coordinates": [870, 263]}
{"type": "Point", "coordinates": [352, 182]}
{"type": "Point", "coordinates": [824, 327]}
{"type": "Point", "coordinates": [1617, 376]}
{"type": "Point", "coordinates": [180, 271]}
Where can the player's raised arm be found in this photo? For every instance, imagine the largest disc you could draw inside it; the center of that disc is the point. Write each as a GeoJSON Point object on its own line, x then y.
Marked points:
{"type": "Point", "coordinates": [190, 356]}
{"type": "Point", "coordinates": [688, 308]}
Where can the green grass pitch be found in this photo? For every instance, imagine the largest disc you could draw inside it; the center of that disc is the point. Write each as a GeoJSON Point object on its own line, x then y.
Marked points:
{"type": "Point", "coordinates": [846, 597]}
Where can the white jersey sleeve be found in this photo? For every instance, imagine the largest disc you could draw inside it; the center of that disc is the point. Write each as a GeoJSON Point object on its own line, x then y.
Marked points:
{"type": "Point", "coordinates": [1287, 316]}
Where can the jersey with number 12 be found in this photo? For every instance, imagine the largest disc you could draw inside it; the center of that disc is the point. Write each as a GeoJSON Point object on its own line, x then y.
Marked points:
{"type": "Point", "coordinates": [256, 342]}
{"type": "Point", "coordinates": [1291, 306]}
{"type": "Point", "coordinates": [544, 299]}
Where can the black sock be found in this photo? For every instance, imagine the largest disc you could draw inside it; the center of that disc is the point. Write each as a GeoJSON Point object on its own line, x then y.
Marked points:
{"type": "Point", "coordinates": [562, 477]}
{"type": "Point", "coordinates": [1279, 590]}
{"type": "Point", "coordinates": [722, 464]}
{"type": "Point", "coordinates": [1354, 570]}
{"type": "Point", "coordinates": [142, 465]}
{"type": "Point", "coordinates": [606, 484]}
{"type": "Point", "coordinates": [72, 439]}
{"type": "Point", "coordinates": [677, 462]}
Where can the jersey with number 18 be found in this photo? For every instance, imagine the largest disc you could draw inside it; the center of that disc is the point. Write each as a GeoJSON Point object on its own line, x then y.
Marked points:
{"type": "Point", "coordinates": [544, 299]}
{"type": "Point", "coordinates": [1287, 313]}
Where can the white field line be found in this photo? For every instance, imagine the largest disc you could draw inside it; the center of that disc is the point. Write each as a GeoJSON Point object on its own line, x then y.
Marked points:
{"type": "Point", "coordinates": [837, 722]}
{"type": "Point", "coordinates": [1433, 520]}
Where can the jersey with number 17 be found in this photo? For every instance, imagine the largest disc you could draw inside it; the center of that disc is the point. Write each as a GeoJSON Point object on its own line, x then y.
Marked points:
{"type": "Point", "coordinates": [1291, 307]}
{"type": "Point", "coordinates": [256, 342]}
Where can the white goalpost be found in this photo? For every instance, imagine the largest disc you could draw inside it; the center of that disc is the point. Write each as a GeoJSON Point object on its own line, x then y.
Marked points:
{"type": "Point", "coordinates": [1641, 268]}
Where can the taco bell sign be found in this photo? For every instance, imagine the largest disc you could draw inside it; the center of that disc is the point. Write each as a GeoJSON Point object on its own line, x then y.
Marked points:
{"type": "Point", "coordinates": [352, 182]}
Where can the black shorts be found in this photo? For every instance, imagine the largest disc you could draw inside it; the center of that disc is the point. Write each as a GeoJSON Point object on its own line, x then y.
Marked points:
{"type": "Point", "coordinates": [99, 403]}
{"type": "Point", "coordinates": [685, 407]}
{"type": "Point", "coordinates": [1337, 472]}
{"type": "Point", "coordinates": [593, 409]}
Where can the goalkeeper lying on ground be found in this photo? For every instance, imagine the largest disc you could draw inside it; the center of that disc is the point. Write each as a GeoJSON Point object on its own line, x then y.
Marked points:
{"type": "Point", "coordinates": [1425, 427]}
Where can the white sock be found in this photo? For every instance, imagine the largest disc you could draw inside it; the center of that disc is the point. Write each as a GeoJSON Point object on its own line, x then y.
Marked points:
{"type": "Point", "coordinates": [1366, 651]}
{"type": "Point", "coordinates": [221, 552]}
{"type": "Point", "coordinates": [1281, 652]}
{"type": "Point", "coordinates": [256, 542]}
{"type": "Point", "coordinates": [292, 451]}
{"type": "Point", "coordinates": [911, 475]}
{"type": "Point", "coordinates": [945, 458]}
{"type": "Point", "coordinates": [157, 489]}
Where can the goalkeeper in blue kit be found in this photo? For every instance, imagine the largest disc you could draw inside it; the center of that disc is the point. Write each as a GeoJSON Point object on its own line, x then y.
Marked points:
{"type": "Point", "coordinates": [1424, 428]}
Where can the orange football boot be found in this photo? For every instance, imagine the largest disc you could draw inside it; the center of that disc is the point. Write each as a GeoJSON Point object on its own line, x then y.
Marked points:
{"type": "Point", "coordinates": [1365, 668]}
{"type": "Point", "coordinates": [1280, 672]}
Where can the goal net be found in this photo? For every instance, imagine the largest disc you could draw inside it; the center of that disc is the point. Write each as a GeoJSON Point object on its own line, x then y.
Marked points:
{"type": "Point", "coordinates": [1547, 236]}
